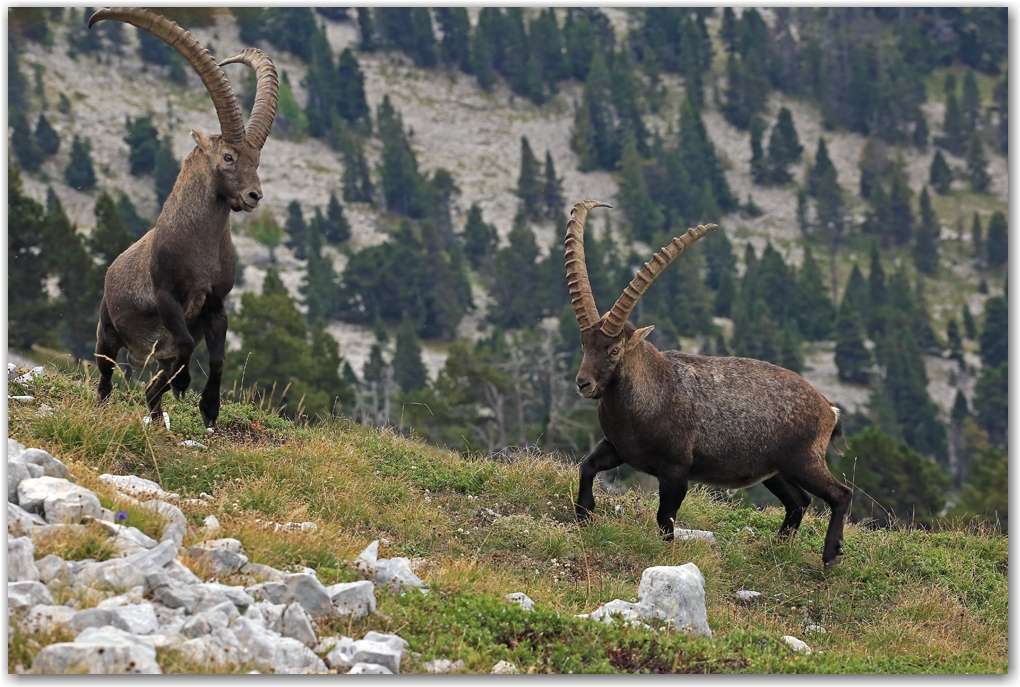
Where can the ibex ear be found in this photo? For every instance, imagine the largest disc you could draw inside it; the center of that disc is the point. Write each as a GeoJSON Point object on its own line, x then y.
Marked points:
{"type": "Point", "coordinates": [639, 335]}
{"type": "Point", "coordinates": [201, 140]}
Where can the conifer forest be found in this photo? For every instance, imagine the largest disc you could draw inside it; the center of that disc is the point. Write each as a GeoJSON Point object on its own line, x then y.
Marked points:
{"type": "Point", "coordinates": [405, 269]}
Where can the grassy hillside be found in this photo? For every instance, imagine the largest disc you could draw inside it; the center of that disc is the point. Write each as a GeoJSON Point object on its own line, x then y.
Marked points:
{"type": "Point", "coordinates": [899, 602]}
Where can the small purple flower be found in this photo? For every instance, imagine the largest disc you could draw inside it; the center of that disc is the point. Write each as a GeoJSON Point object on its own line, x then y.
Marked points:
{"type": "Point", "coordinates": [121, 515]}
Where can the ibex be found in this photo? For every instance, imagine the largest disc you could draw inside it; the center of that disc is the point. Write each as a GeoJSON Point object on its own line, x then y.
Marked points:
{"type": "Point", "coordinates": [728, 422]}
{"type": "Point", "coordinates": [166, 292]}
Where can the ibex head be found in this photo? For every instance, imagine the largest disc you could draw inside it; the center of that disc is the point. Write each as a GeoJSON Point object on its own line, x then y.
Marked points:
{"type": "Point", "coordinates": [233, 154]}
{"type": "Point", "coordinates": [609, 339]}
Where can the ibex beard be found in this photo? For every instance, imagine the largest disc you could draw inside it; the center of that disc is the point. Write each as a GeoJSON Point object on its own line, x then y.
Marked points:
{"type": "Point", "coordinates": [723, 421]}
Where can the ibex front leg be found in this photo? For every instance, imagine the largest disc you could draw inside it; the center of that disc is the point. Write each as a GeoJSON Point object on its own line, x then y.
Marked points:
{"type": "Point", "coordinates": [214, 321]}
{"type": "Point", "coordinates": [604, 457]}
{"type": "Point", "coordinates": [171, 313]}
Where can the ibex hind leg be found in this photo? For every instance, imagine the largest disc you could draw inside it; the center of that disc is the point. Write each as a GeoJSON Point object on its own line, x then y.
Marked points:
{"type": "Point", "coordinates": [155, 389]}
{"type": "Point", "coordinates": [108, 345]}
{"type": "Point", "coordinates": [816, 479]}
{"type": "Point", "coordinates": [214, 321]}
{"type": "Point", "coordinates": [794, 499]}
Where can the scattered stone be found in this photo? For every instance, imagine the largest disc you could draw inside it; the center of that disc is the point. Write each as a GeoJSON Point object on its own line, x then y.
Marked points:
{"type": "Point", "coordinates": [297, 624]}
{"type": "Point", "coordinates": [219, 562]}
{"type": "Point", "coordinates": [630, 612]}
{"type": "Point", "coordinates": [356, 599]}
{"type": "Point", "coordinates": [136, 618]}
{"type": "Point", "coordinates": [116, 574]}
{"type": "Point", "coordinates": [214, 593]}
{"type": "Point", "coordinates": [14, 448]}
{"type": "Point", "coordinates": [91, 617]}
{"type": "Point", "coordinates": [262, 572]}
{"type": "Point", "coordinates": [17, 472]}
{"type": "Point", "coordinates": [52, 567]}
{"type": "Point", "coordinates": [392, 572]}
{"type": "Point", "coordinates": [675, 594]}
{"type": "Point", "coordinates": [50, 465]}
{"type": "Point", "coordinates": [21, 559]}
{"type": "Point", "coordinates": [815, 628]}
{"type": "Point", "coordinates": [341, 656]}
{"type": "Point", "coordinates": [205, 622]}
{"type": "Point", "coordinates": [57, 499]}
{"type": "Point", "coordinates": [45, 618]}
{"type": "Point", "coordinates": [504, 668]}
{"type": "Point", "coordinates": [211, 524]}
{"type": "Point", "coordinates": [135, 487]}
{"type": "Point", "coordinates": [521, 599]}
{"type": "Point", "coordinates": [395, 641]}
{"type": "Point", "coordinates": [303, 588]}
{"type": "Point", "coordinates": [191, 443]}
{"type": "Point", "coordinates": [369, 669]}
{"type": "Point", "coordinates": [19, 521]}
{"type": "Point", "coordinates": [21, 399]}
{"type": "Point", "coordinates": [135, 595]}
{"type": "Point", "coordinates": [796, 644]}
{"type": "Point", "coordinates": [181, 572]}
{"type": "Point", "coordinates": [269, 651]}
{"type": "Point", "coordinates": [24, 595]}
{"type": "Point", "coordinates": [443, 665]}
{"type": "Point", "coordinates": [747, 595]}
{"type": "Point", "coordinates": [221, 648]}
{"type": "Point", "coordinates": [686, 535]}
{"type": "Point", "coordinates": [104, 650]}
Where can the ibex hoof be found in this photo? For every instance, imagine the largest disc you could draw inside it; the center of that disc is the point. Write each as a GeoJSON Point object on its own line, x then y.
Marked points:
{"type": "Point", "coordinates": [832, 562]}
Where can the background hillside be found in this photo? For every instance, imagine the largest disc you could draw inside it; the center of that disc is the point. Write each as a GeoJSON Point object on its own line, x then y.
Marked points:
{"type": "Point", "coordinates": [442, 149]}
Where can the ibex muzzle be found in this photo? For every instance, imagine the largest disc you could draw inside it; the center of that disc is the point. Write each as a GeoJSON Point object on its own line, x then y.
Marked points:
{"type": "Point", "coordinates": [729, 422]}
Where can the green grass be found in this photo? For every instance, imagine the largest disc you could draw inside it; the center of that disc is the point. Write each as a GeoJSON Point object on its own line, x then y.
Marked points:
{"type": "Point", "coordinates": [901, 601]}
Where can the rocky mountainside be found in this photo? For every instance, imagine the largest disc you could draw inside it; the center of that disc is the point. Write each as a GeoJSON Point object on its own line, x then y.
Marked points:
{"type": "Point", "coordinates": [475, 134]}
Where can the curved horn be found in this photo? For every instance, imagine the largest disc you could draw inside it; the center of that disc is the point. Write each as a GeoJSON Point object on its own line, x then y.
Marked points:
{"type": "Point", "coordinates": [227, 109]}
{"type": "Point", "coordinates": [624, 305]}
{"type": "Point", "coordinates": [577, 270]}
{"type": "Point", "coordinates": [267, 93]}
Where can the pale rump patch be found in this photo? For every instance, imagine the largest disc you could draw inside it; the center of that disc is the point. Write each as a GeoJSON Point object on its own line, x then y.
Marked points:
{"type": "Point", "coordinates": [836, 411]}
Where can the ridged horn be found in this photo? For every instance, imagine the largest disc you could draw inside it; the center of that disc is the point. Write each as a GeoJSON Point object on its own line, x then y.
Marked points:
{"type": "Point", "coordinates": [624, 305]}
{"type": "Point", "coordinates": [227, 109]}
{"type": "Point", "coordinates": [577, 271]}
{"type": "Point", "coordinates": [267, 93]}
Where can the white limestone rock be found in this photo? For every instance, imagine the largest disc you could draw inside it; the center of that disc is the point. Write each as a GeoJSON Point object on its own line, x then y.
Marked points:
{"type": "Point", "coordinates": [675, 594]}
{"type": "Point", "coordinates": [21, 560]}
{"type": "Point", "coordinates": [22, 596]}
{"type": "Point", "coordinates": [219, 561]}
{"type": "Point", "coordinates": [269, 651]}
{"type": "Point", "coordinates": [50, 465]}
{"type": "Point", "coordinates": [341, 656]}
{"type": "Point", "coordinates": [221, 648]}
{"type": "Point", "coordinates": [443, 665]}
{"type": "Point", "coordinates": [19, 521]}
{"type": "Point", "coordinates": [17, 472]}
{"type": "Point", "coordinates": [504, 668]}
{"type": "Point", "coordinates": [369, 669]}
{"type": "Point", "coordinates": [52, 567]}
{"type": "Point", "coordinates": [298, 625]}
{"type": "Point", "coordinates": [521, 599]}
{"type": "Point", "coordinates": [747, 595]}
{"type": "Point", "coordinates": [262, 573]}
{"type": "Point", "coordinates": [46, 618]}
{"type": "Point", "coordinates": [205, 622]}
{"type": "Point", "coordinates": [393, 572]}
{"type": "Point", "coordinates": [137, 619]}
{"type": "Point", "coordinates": [687, 535]}
{"type": "Point", "coordinates": [815, 628]}
{"type": "Point", "coordinates": [181, 572]}
{"type": "Point", "coordinates": [57, 499]}
{"type": "Point", "coordinates": [116, 574]}
{"type": "Point", "coordinates": [105, 650]}
{"type": "Point", "coordinates": [356, 599]}
{"type": "Point", "coordinates": [303, 588]}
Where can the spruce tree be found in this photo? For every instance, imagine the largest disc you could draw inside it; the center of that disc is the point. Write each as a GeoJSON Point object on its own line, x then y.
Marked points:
{"type": "Point", "coordinates": [357, 186]}
{"type": "Point", "coordinates": [995, 332]}
{"type": "Point", "coordinates": [552, 192]}
{"type": "Point", "coordinates": [697, 153]}
{"type": "Point", "coordinates": [954, 341]}
{"type": "Point", "coordinates": [366, 30]}
{"type": "Point", "coordinates": [645, 218]}
{"type": "Point", "coordinates": [977, 164]}
{"type": "Point", "coordinates": [547, 41]}
{"type": "Point", "coordinates": [580, 42]}
{"type": "Point", "coordinates": [325, 352]}
{"type": "Point", "coordinates": [997, 239]}
{"type": "Point", "coordinates": [791, 148]}
{"type": "Point", "coordinates": [728, 31]}
{"type": "Point", "coordinates": [977, 238]}
{"type": "Point", "coordinates": [336, 229]}
{"type": "Point", "coordinates": [855, 295]}
{"type": "Point", "coordinates": [26, 148]}
{"type": "Point", "coordinates": [480, 239]}
{"type": "Point", "coordinates": [456, 43]}
{"type": "Point", "coordinates": [953, 127]}
{"type": "Point", "coordinates": [991, 402]}
{"type": "Point", "coordinates": [408, 369]}
{"type": "Point", "coordinates": [877, 295]}
{"type": "Point", "coordinates": [1001, 97]}
{"type": "Point", "coordinates": [28, 312]}
{"type": "Point", "coordinates": [815, 314]}
{"type": "Point", "coordinates": [926, 256]}
{"type": "Point", "coordinates": [320, 283]}
{"type": "Point", "coordinates": [758, 170]}
{"type": "Point", "coordinates": [921, 133]}
{"type": "Point", "coordinates": [136, 225]}
{"type": "Point", "coordinates": [971, 101]}
{"type": "Point", "coordinates": [297, 230]}
{"type": "Point", "coordinates": [969, 328]}
{"type": "Point", "coordinates": [17, 84]}
{"type": "Point", "coordinates": [143, 140]}
{"type": "Point", "coordinates": [111, 237]}
{"type": "Point", "coordinates": [939, 175]}
{"type": "Point", "coordinates": [323, 87]}
{"type": "Point", "coordinates": [803, 223]}
{"type": "Point", "coordinates": [514, 280]}
{"type": "Point", "coordinates": [529, 183]}
{"type": "Point", "coordinates": [401, 181]}
{"type": "Point", "coordinates": [166, 170]}
{"type": "Point", "coordinates": [821, 172]}
{"type": "Point", "coordinates": [350, 88]}
{"type": "Point", "coordinates": [599, 113]}
{"type": "Point", "coordinates": [424, 50]}
{"type": "Point", "coordinates": [46, 138]}
{"type": "Point", "coordinates": [79, 172]}
{"type": "Point", "coordinates": [901, 217]}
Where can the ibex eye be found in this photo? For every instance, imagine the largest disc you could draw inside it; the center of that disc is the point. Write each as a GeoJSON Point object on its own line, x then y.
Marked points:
{"type": "Point", "coordinates": [615, 351]}
{"type": "Point", "coordinates": [228, 158]}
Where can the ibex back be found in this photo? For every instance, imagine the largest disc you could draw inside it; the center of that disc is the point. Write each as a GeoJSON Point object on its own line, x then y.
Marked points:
{"type": "Point", "coordinates": [166, 292]}
{"type": "Point", "coordinates": [728, 422]}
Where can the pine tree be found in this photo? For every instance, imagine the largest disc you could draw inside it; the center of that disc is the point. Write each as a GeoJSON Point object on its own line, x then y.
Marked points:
{"type": "Point", "coordinates": [515, 278]}
{"type": "Point", "coordinates": [408, 369]}
{"type": "Point", "coordinates": [940, 176]}
{"type": "Point", "coordinates": [853, 360]}
{"type": "Point", "coordinates": [874, 165]}
{"type": "Point", "coordinates": [977, 238]}
{"type": "Point", "coordinates": [297, 230]}
{"type": "Point", "coordinates": [46, 138]}
{"type": "Point", "coordinates": [401, 181]}
{"type": "Point", "coordinates": [552, 192]}
{"type": "Point", "coordinates": [926, 256]}
{"type": "Point", "coordinates": [991, 402]}
{"type": "Point", "coordinates": [645, 218]}
{"type": "Point", "coordinates": [971, 102]}
{"type": "Point", "coordinates": [322, 81]}
{"type": "Point", "coordinates": [599, 116]}
{"type": "Point", "coordinates": [815, 314]}
{"type": "Point", "coordinates": [901, 217]}
{"type": "Point", "coordinates": [143, 139]}
{"type": "Point", "coordinates": [357, 186]}
{"type": "Point", "coordinates": [995, 332]}
{"type": "Point", "coordinates": [697, 153]}
{"type": "Point", "coordinates": [28, 312]}
{"type": "Point", "coordinates": [921, 133]}
{"type": "Point", "coordinates": [547, 41]}
{"type": "Point", "coordinates": [30, 156]}
{"type": "Point", "coordinates": [480, 239]}
{"type": "Point", "coordinates": [758, 170]}
{"type": "Point", "coordinates": [822, 170]}
{"type": "Point", "coordinates": [969, 328]}
{"type": "Point", "coordinates": [728, 31]}
{"type": "Point", "coordinates": [136, 225]}
{"type": "Point", "coordinates": [320, 283]}
{"type": "Point", "coordinates": [856, 293]}
{"type": "Point", "coordinates": [110, 238]}
{"type": "Point", "coordinates": [529, 183]}
{"type": "Point", "coordinates": [265, 230]}
{"type": "Point", "coordinates": [336, 229]}
{"type": "Point", "coordinates": [953, 127]}
{"type": "Point", "coordinates": [791, 147]}
{"type": "Point", "coordinates": [877, 295]}
{"type": "Point", "coordinates": [325, 351]}
{"type": "Point", "coordinates": [579, 39]}
{"type": "Point", "coordinates": [79, 172]}
{"type": "Point", "coordinates": [17, 84]}
{"type": "Point", "coordinates": [456, 44]}
{"type": "Point", "coordinates": [626, 89]}
{"type": "Point", "coordinates": [977, 164]}
{"type": "Point", "coordinates": [166, 170]}
{"type": "Point", "coordinates": [366, 29]}
{"type": "Point", "coordinates": [954, 341]}
{"type": "Point", "coordinates": [350, 88]}
{"type": "Point", "coordinates": [424, 39]}
{"type": "Point", "coordinates": [481, 53]}
{"type": "Point", "coordinates": [997, 239]}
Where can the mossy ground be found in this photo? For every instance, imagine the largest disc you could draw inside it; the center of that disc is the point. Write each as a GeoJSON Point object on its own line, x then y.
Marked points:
{"type": "Point", "coordinates": [901, 601]}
